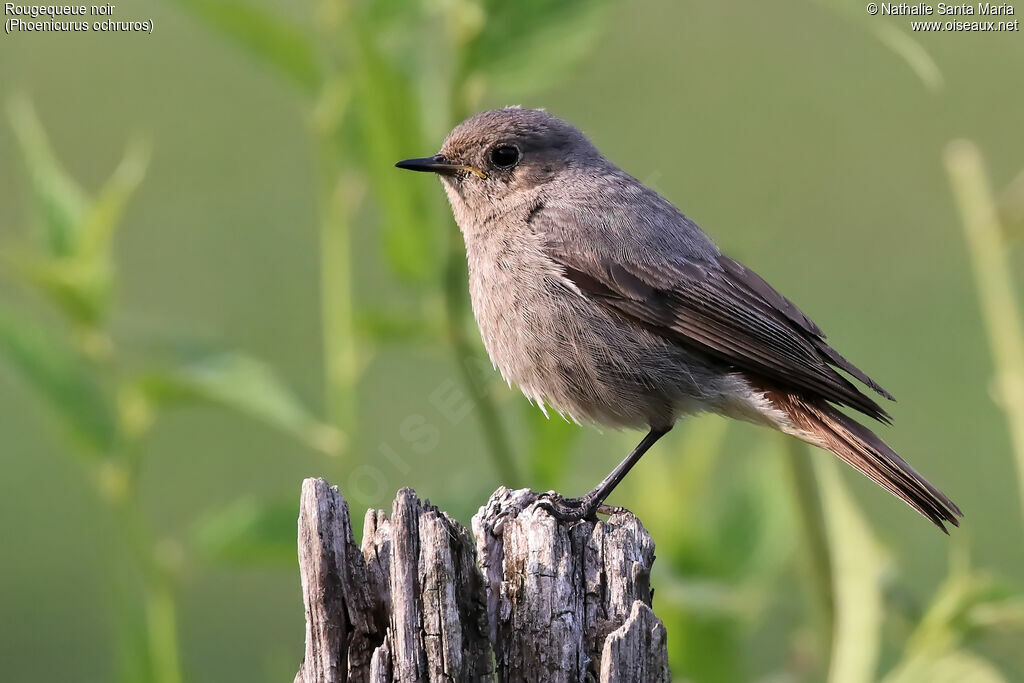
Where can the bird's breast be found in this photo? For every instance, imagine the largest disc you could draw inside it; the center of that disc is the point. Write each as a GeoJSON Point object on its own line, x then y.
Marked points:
{"type": "Point", "coordinates": [568, 351]}
{"type": "Point", "coordinates": [561, 349]}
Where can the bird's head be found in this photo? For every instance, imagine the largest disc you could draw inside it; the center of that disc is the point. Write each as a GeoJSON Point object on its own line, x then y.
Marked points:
{"type": "Point", "coordinates": [496, 157]}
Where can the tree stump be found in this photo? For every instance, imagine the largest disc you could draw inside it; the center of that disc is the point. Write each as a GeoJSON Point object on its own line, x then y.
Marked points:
{"type": "Point", "coordinates": [531, 599]}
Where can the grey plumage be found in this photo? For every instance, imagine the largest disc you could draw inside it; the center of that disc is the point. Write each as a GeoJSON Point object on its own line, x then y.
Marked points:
{"type": "Point", "coordinates": [597, 297]}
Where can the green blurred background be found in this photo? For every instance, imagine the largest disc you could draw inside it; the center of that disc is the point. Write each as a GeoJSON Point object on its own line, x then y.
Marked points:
{"type": "Point", "coordinates": [807, 146]}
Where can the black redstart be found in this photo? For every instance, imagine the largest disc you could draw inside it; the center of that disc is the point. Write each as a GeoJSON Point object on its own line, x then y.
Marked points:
{"type": "Point", "coordinates": [599, 298]}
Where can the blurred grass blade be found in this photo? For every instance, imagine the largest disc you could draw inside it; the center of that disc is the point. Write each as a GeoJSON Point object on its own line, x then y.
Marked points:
{"type": "Point", "coordinates": [524, 46]}
{"type": "Point", "coordinates": [81, 283]}
{"type": "Point", "coordinates": [132, 663]}
{"type": "Point", "coordinates": [104, 214]}
{"type": "Point", "coordinates": [59, 201]}
{"type": "Point", "coordinates": [858, 564]}
{"type": "Point", "coordinates": [58, 374]}
{"type": "Point", "coordinates": [1011, 207]}
{"type": "Point", "coordinates": [995, 284]}
{"type": "Point", "coordinates": [250, 531]}
{"type": "Point", "coordinates": [387, 127]}
{"type": "Point", "coordinates": [341, 348]}
{"type": "Point", "coordinates": [162, 629]}
{"type": "Point", "coordinates": [815, 543]}
{"type": "Point", "coordinates": [237, 381]}
{"type": "Point", "coordinates": [901, 43]}
{"type": "Point", "coordinates": [911, 51]}
{"type": "Point", "coordinates": [967, 604]}
{"type": "Point", "coordinates": [79, 288]}
{"type": "Point", "coordinates": [955, 667]}
{"type": "Point", "coordinates": [270, 38]}
{"type": "Point", "coordinates": [75, 269]}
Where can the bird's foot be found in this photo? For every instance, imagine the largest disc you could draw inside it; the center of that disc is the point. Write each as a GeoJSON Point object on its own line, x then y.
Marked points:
{"type": "Point", "coordinates": [574, 509]}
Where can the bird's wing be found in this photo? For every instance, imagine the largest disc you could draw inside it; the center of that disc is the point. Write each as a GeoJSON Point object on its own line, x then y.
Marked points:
{"type": "Point", "coordinates": [712, 304]}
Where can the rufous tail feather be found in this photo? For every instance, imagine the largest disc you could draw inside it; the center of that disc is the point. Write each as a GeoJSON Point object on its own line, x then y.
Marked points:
{"type": "Point", "coordinates": [822, 425]}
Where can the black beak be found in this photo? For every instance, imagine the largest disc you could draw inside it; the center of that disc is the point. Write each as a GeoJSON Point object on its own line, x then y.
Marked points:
{"type": "Point", "coordinates": [436, 164]}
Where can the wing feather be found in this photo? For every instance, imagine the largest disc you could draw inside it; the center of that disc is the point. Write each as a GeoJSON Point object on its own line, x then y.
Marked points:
{"type": "Point", "coordinates": [719, 307]}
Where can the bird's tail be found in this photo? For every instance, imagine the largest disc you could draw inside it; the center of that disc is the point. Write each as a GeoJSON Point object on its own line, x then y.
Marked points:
{"type": "Point", "coordinates": [822, 425]}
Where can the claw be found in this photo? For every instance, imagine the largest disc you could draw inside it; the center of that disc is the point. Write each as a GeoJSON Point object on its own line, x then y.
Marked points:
{"type": "Point", "coordinates": [568, 509]}
{"type": "Point", "coordinates": [562, 509]}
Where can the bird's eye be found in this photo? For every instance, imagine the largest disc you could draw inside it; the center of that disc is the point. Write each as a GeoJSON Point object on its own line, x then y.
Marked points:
{"type": "Point", "coordinates": [505, 156]}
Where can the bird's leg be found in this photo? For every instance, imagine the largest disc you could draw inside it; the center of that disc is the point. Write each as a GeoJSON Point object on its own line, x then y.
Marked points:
{"type": "Point", "coordinates": [586, 507]}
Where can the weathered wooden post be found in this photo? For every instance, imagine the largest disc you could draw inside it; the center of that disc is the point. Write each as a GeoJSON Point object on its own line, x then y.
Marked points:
{"type": "Point", "coordinates": [531, 599]}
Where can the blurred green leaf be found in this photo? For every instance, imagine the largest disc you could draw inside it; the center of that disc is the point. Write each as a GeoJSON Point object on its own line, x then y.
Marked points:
{"type": "Point", "coordinates": [524, 46]}
{"type": "Point", "coordinates": [752, 534]}
{"type": "Point", "coordinates": [733, 538]}
{"type": "Point", "coordinates": [384, 15]}
{"type": "Point", "coordinates": [1006, 613]}
{"type": "Point", "coordinates": [79, 288]}
{"type": "Point", "coordinates": [271, 38]}
{"type": "Point", "coordinates": [724, 536]}
{"type": "Point", "coordinates": [550, 446]}
{"type": "Point", "coordinates": [62, 377]}
{"type": "Point", "coordinates": [104, 213]}
{"type": "Point", "coordinates": [387, 126]}
{"type": "Point", "coordinates": [162, 626]}
{"type": "Point", "coordinates": [79, 283]}
{"type": "Point", "coordinates": [250, 531]}
{"type": "Point", "coordinates": [59, 201]}
{"type": "Point", "coordinates": [966, 603]}
{"type": "Point", "coordinates": [133, 663]}
{"type": "Point", "coordinates": [858, 566]}
{"type": "Point", "coordinates": [385, 327]}
{"type": "Point", "coordinates": [955, 667]}
{"type": "Point", "coordinates": [995, 284]}
{"type": "Point", "coordinates": [240, 382]}
{"type": "Point", "coordinates": [692, 465]}
{"type": "Point", "coordinates": [75, 269]}
{"type": "Point", "coordinates": [680, 469]}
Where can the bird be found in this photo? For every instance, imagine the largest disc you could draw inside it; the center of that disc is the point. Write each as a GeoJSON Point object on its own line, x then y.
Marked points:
{"type": "Point", "coordinates": [599, 298]}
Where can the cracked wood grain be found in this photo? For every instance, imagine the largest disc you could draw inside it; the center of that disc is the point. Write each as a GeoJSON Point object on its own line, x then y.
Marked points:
{"type": "Point", "coordinates": [529, 599]}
